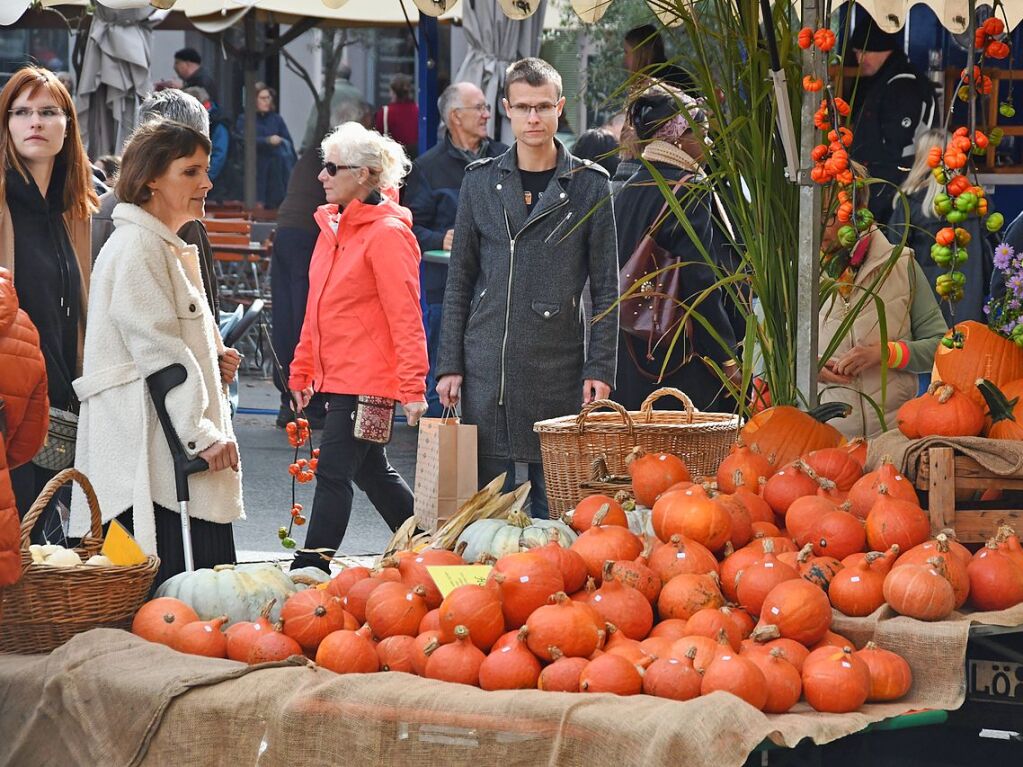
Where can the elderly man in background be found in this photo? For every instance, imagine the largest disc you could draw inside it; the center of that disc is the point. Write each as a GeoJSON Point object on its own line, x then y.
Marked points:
{"type": "Point", "coordinates": [431, 193]}
{"type": "Point", "coordinates": [172, 104]}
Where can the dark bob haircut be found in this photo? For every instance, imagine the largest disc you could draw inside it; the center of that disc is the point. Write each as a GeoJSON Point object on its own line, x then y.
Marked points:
{"type": "Point", "coordinates": [150, 151]}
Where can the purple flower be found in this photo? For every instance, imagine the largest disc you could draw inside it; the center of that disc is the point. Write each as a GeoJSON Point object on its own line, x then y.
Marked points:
{"type": "Point", "coordinates": [1003, 255]}
{"type": "Point", "coordinates": [987, 308]}
{"type": "Point", "coordinates": [1014, 304]}
{"type": "Point", "coordinates": [1015, 284]}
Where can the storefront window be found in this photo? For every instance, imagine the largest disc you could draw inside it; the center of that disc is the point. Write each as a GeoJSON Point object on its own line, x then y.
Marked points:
{"type": "Point", "coordinates": [46, 47]}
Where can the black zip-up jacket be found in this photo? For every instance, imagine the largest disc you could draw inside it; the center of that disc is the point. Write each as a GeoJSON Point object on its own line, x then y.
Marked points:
{"type": "Point", "coordinates": [431, 193]}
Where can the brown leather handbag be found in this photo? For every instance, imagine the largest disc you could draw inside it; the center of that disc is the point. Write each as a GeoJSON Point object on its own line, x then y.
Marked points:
{"type": "Point", "coordinates": [652, 312]}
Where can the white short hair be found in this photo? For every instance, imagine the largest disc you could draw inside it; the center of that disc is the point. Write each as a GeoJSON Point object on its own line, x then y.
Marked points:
{"type": "Point", "coordinates": [353, 144]}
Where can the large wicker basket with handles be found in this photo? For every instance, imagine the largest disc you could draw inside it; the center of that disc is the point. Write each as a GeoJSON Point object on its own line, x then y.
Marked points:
{"type": "Point", "coordinates": [570, 444]}
{"type": "Point", "coordinates": [49, 605]}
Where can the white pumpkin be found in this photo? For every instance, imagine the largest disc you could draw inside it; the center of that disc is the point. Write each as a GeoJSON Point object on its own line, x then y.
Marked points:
{"type": "Point", "coordinates": [305, 577]}
{"type": "Point", "coordinates": [497, 537]}
{"type": "Point", "coordinates": [238, 591]}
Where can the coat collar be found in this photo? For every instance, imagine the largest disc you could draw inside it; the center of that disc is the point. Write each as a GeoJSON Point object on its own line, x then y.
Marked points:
{"type": "Point", "coordinates": [132, 214]}
{"type": "Point", "coordinates": [509, 186]}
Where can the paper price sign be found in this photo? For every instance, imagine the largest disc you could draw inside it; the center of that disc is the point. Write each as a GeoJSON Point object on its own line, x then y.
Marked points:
{"type": "Point", "coordinates": [450, 577]}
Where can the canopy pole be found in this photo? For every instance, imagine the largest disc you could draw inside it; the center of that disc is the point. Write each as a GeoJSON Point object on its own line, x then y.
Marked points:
{"type": "Point", "coordinates": [429, 37]}
{"type": "Point", "coordinates": [808, 279]}
{"type": "Point", "coordinates": [251, 63]}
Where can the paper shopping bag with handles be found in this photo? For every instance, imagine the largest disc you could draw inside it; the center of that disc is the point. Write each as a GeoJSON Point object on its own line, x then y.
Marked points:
{"type": "Point", "coordinates": [446, 472]}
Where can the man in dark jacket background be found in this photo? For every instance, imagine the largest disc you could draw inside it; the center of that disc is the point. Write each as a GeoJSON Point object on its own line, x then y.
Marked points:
{"type": "Point", "coordinates": [533, 225]}
{"type": "Point", "coordinates": [431, 193]}
{"type": "Point", "coordinates": [893, 103]}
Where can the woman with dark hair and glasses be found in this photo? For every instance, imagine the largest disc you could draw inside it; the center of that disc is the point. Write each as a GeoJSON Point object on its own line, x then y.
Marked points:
{"type": "Point", "coordinates": [46, 205]}
{"type": "Point", "coordinates": [363, 334]}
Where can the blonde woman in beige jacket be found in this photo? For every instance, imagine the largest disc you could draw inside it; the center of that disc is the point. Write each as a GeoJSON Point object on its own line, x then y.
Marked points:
{"type": "Point", "coordinates": [913, 323]}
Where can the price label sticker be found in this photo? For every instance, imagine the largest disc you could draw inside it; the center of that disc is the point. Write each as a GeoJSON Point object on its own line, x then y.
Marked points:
{"type": "Point", "coordinates": [450, 577]}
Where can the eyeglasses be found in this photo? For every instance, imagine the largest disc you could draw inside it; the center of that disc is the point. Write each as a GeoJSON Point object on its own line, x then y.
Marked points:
{"type": "Point", "coordinates": [46, 114]}
{"type": "Point", "coordinates": [332, 168]}
{"type": "Point", "coordinates": [481, 108]}
{"type": "Point", "coordinates": [542, 110]}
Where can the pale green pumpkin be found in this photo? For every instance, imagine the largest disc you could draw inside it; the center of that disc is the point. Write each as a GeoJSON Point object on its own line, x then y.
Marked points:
{"type": "Point", "coordinates": [238, 591]}
{"type": "Point", "coordinates": [497, 537]}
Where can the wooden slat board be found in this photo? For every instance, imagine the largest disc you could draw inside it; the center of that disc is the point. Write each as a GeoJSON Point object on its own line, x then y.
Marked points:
{"type": "Point", "coordinates": [941, 473]}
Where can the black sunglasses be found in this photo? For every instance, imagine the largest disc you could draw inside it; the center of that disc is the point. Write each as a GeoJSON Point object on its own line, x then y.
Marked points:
{"type": "Point", "coordinates": [332, 168]}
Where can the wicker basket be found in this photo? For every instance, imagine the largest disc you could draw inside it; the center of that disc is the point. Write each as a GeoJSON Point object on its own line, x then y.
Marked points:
{"type": "Point", "coordinates": [569, 445]}
{"type": "Point", "coordinates": [50, 604]}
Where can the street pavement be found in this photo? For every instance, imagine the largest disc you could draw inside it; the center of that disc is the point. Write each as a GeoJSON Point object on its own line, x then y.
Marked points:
{"type": "Point", "coordinates": [265, 456]}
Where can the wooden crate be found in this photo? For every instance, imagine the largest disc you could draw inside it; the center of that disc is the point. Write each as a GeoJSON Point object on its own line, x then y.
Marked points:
{"type": "Point", "coordinates": [941, 473]}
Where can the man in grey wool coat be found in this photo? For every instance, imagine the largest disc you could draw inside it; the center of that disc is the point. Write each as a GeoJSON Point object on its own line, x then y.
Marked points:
{"type": "Point", "coordinates": [532, 226]}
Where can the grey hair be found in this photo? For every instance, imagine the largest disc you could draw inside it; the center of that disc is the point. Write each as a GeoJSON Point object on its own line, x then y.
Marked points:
{"type": "Point", "coordinates": [353, 144]}
{"type": "Point", "coordinates": [198, 92]}
{"type": "Point", "coordinates": [449, 98]}
{"type": "Point", "coordinates": [172, 104]}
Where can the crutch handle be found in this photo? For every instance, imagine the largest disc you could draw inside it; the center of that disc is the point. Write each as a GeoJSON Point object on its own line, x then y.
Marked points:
{"type": "Point", "coordinates": [160, 384]}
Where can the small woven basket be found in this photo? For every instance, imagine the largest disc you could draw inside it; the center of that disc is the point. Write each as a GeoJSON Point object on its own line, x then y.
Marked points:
{"type": "Point", "coordinates": [570, 444]}
{"type": "Point", "coordinates": [49, 605]}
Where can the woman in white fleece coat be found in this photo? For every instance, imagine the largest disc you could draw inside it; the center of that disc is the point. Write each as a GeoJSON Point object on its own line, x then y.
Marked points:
{"type": "Point", "coordinates": [148, 310]}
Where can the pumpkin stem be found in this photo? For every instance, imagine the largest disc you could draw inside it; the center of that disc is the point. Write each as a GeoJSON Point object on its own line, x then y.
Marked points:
{"type": "Point", "coordinates": [265, 612]}
{"type": "Point", "coordinates": [805, 553]}
{"type": "Point", "coordinates": [939, 565]}
{"type": "Point", "coordinates": [519, 519]}
{"type": "Point", "coordinates": [999, 408]}
{"type": "Point", "coordinates": [872, 557]}
{"type": "Point", "coordinates": [870, 645]}
{"type": "Point", "coordinates": [764, 634]}
{"type": "Point", "coordinates": [523, 633]}
{"type": "Point", "coordinates": [941, 542]}
{"type": "Point", "coordinates": [606, 573]}
{"type": "Point", "coordinates": [430, 646]}
{"type": "Point", "coordinates": [555, 653]}
{"type": "Point", "coordinates": [560, 598]}
{"type": "Point", "coordinates": [768, 545]}
{"type": "Point", "coordinates": [461, 632]}
{"type": "Point", "coordinates": [723, 637]}
{"type": "Point", "coordinates": [728, 550]}
{"type": "Point", "coordinates": [635, 454]}
{"type": "Point", "coordinates": [829, 410]}
{"type": "Point", "coordinates": [777, 652]}
{"type": "Point", "coordinates": [601, 515]}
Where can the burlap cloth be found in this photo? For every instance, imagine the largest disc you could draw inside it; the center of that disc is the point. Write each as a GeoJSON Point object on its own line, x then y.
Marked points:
{"type": "Point", "coordinates": [110, 698]}
{"type": "Point", "coordinates": [999, 456]}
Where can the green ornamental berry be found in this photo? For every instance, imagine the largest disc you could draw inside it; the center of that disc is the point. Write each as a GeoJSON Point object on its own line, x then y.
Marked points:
{"type": "Point", "coordinates": [944, 286]}
{"type": "Point", "coordinates": [959, 278]}
{"type": "Point", "coordinates": [994, 222]}
{"type": "Point", "coordinates": [941, 254]}
{"type": "Point", "coordinates": [282, 533]}
{"type": "Point", "coordinates": [864, 218]}
{"type": "Point", "coordinates": [1005, 109]}
{"type": "Point", "coordinates": [961, 256]}
{"type": "Point", "coordinates": [943, 207]}
{"type": "Point", "coordinates": [956, 217]}
{"type": "Point", "coordinates": [995, 136]}
{"type": "Point", "coordinates": [847, 236]}
{"type": "Point", "coordinates": [288, 543]}
{"type": "Point", "coordinates": [963, 203]}
{"type": "Point", "coordinates": [963, 93]}
{"type": "Point", "coordinates": [939, 176]}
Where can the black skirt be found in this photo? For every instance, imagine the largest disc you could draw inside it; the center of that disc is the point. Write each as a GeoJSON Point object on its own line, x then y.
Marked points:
{"type": "Point", "coordinates": [212, 542]}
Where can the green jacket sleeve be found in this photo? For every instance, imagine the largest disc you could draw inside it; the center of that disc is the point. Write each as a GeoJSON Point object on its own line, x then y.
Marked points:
{"type": "Point", "coordinates": [927, 327]}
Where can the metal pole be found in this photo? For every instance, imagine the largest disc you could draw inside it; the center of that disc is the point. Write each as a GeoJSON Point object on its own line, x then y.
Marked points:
{"type": "Point", "coordinates": [251, 62]}
{"type": "Point", "coordinates": [808, 278]}
{"type": "Point", "coordinates": [428, 51]}
{"type": "Point", "coordinates": [971, 31]}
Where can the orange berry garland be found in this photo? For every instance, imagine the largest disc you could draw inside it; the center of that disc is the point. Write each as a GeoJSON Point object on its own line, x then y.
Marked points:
{"type": "Point", "coordinates": [302, 471]}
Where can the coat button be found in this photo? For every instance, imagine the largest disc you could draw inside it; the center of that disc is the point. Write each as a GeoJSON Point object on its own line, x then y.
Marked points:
{"type": "Point", "coordinates": [191, 307]}
{"type": "Point", "coordinates": [547, 314]}
{"type": "Point", "coordinates": [191, 446]}
{"type": "Point", "coordinates": [562, 195]}
{"type": "Point", "coordinates": [499, 187]}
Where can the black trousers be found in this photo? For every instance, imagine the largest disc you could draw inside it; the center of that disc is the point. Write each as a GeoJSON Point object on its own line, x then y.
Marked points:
{"type": "Point", "coordinates": [344, 460]}
{"type": "Point", "coordinates": [212, 542]}
{"type": "Point", "coordinates": [28, 482]}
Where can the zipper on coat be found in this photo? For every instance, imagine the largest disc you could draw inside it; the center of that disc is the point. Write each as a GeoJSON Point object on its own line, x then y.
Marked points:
{"type": "Point", "coordinates": [554, 231]}
{"type": "Point", "coordinates": [319, 334]}
{"type": "Point", "coordinates": [507, 305]}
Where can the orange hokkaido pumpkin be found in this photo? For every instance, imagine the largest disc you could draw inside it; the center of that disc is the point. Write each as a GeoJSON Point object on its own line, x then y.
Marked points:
{"type": "Point", "coordinates": [920, 591]}
{"type": "Point", "coordinates": [478, 608]}
{"type": "Point", "coordinates": [755, 582]}
{"type": "Point", "coordinates": [946, 412]}
{"type": "Point", "coordinates": [864, 493]}
{"type": "Point", "coordinates": [525, 582]}
{"type": "Point", "coordinates": [743, 467]}
{"type": "Point", "coordinates": [835, 464]}
{"type": "Point", "coordinates": [906, 415]}
{"type": "Point", "coordinates": [344, 580]}
{"type": "Point", "coordinates": [511, 667]}
{"type": "Point", "coordinates": [1005, 416]}
{"type": "Point", "coordinates": [603, 542]}
{"type": "Point", "coordinates": [653, 473]}
{"type": "Point", "coordinates": [566, 625]}
{"type": "Point", "coordinates": [638, 574]}
{"type": "Point", "coordinates": [272, 645]}
{"type": "Point", "coordinates": [414, 572]}
{"type": "Point", "coordinates": [243, 634]}
{"type": "Point", "coordinates": [563, 674]}
{"type": "Point", "coordinates": [684, 595]}
{"type": "Point", "coordinates": [611, 673]}
{"type": "Point", "coordinates": [783, 433]}
{"type": "Point", "coordinates": [893, 521]}
{"type": "Point", "coordinates": [764, 639]}
{"type": "Point", "coordinates": [859, 590]}
{"type": "Point", "coordinates": [395, 609]}
{"type": "Point", "coordinates": [680, 555]}
{"type": "Point", "coordinates": [567, 562]}
{"type": "Point", "coordinates": [835, 681]}
{"type": "Point", "coordinates": [202, 638]}
{"type": "Point", "coordinates": [758, 508]}
{"type": "Point", "coordinates": [783, 682]}
{"type": "Point", "coordinates": [803, 513]}
{"type": "Point", "coordinates": [692, 514]}
{"type": "Point", "coordinates": [354, 600]}
{"type": "Point", "coordinates": [890, 674]}
{"type": "Point", "coordinates": [837, 534]}
{"type": "Point", "coordinates": [581, 517]}
{"type": "Point", "coordinates": [800, 610]}
{"type": "Point", "coordinates": [711, 621]}
{"type": "Point", "coordinates": [738, 675]}
{"type": "Point", "coordinates": [160, 619]}
{"type": "Point", "coordinates": [622, 605]}
{"type": "Point", "coordinates": [955, 570]}
{"type": "Point", "coordinates": [669, 628]}
{"type": "Point", "coordinates": [457, 662]}
{"type": "Point", "coordinates": [673, 678]}
{"type": "Point", "coordinates": [791, 482]}
{"type": "Point", "coordinates": [996, 579]}
{"type": "Point", "coordinates": [395, 653]}
{"type": "Point", "coordinates": [310, 615]}
{"type": "Point", "coordinates": [425, 641]}
{"type": "Point", "coordinates": [741, 530]}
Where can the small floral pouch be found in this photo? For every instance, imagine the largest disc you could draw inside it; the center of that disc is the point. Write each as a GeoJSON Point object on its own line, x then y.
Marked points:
{"type": "Point", "coordinates": [372, 419]}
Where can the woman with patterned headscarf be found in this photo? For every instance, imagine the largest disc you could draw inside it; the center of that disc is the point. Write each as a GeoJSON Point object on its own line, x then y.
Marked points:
{"type": "Point", "coordinates": [664, 120]}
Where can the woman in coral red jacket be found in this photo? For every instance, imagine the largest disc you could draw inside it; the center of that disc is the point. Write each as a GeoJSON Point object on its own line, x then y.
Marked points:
{"type": "Point", "coordinates": [24, 415]}
{"type": "Point", "coordinates": [363, 331]}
